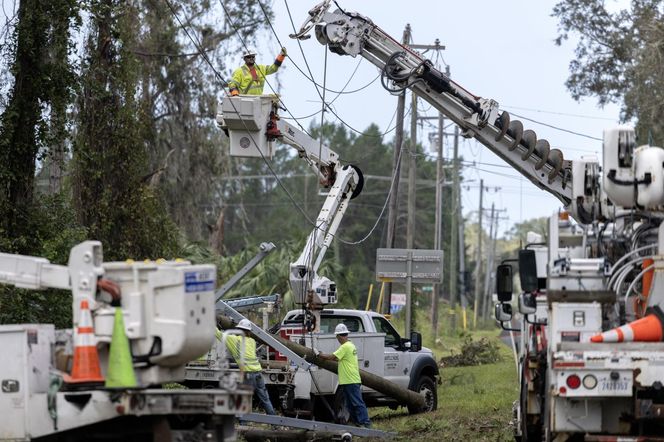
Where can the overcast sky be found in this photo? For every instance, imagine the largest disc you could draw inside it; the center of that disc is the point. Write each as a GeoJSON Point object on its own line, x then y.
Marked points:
{"type": "Point", "coordinates": [501, 50]}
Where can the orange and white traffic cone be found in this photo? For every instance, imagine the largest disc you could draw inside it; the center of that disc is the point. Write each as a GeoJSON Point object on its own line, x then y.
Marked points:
{"type": "Point", "coordinates": [86, 368]}
{"type": "Point", "coordinates": [650, 328]}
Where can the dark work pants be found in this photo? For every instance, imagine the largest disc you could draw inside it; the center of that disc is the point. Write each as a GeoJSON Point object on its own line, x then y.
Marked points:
{"type": "Point", "coordinates": [255, 379]}
{"type": "Point", "coordinates": [355, 403]}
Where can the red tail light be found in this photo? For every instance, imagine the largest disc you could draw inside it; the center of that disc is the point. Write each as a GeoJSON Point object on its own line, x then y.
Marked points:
{"type": "Point", "coordinates": [573, 381]}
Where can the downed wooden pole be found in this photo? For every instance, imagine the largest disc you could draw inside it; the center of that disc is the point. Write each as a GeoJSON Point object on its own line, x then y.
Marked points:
{"type": "Point", "coordinates": [402, 395]}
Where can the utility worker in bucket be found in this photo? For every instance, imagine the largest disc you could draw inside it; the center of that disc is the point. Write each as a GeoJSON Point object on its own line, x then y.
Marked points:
{"type": "Point", "coordinates": [349, 375]}
{"type": "Point", "coordinates": [251, 366]}
{"type": "Point", "coordinates": [249, 78]}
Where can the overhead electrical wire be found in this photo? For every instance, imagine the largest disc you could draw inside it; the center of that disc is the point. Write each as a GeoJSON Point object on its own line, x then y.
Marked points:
{"type": "Point", "coordinates": [274, 174]}
{"type": "Point", "coordinates": [557, 128]}
{"type": "Point", "coordinates": [316, 85]}
{"type": "Point", "coordinates": [311, 79]}
{"type": "Point", "coordinates": [218, 76]}
{"type": "Point", "coordinates": [559, 113]}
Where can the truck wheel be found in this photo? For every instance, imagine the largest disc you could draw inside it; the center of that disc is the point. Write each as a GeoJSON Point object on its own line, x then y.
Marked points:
{"type": "Point", "coordinates": [427, 388]}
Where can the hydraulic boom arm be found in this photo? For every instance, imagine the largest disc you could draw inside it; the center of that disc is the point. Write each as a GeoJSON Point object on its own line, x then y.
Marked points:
{"type": "Point", "coordinates": [402, 68]}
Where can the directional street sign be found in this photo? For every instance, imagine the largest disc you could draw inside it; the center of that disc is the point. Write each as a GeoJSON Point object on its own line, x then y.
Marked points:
{"type": "Point", "coordinates": [423, 266]}
{"type": "Point", "coordinates": [409, 266]}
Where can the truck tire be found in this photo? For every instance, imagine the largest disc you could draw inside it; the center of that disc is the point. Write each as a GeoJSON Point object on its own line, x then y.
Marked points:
{"type": "Point", "coordinates": [426, 387]}
{"type": "Point", "coordinates": [530, 432]}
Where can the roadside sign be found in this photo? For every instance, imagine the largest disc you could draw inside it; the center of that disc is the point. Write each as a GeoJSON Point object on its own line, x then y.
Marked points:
{"type": "Point", "coordinates": [423, 266]}
{"type": "Point", "coordinates": [397, 302]}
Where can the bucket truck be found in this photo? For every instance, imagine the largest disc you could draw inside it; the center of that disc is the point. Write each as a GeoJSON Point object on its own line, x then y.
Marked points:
{"type": "Point", "coordinates": [168, 311]}
{"type": "Point", "coordinates": [597, 281]}
{"type": "Point", "coordinates": [253, 122]}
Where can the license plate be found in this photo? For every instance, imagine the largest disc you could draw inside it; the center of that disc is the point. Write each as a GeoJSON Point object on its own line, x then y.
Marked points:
{"type": "Point", "coordinates": [619, 387]}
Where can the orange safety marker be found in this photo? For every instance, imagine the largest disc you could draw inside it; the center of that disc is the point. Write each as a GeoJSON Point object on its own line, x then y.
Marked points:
{"type": "Point", "coordinates": [647, 329]}
{"type": "Point", "coordinates": [640, 302]}
{"type": "Point", "coordinates": [86, 367]}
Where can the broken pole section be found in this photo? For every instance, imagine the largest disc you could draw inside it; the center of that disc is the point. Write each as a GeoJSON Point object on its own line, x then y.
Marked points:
{"type": "Point", "coordinates": [404, 396]}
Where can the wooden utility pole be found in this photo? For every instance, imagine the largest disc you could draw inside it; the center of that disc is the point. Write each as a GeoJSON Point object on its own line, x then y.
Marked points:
{"type": "Point", "coordinates": [455, 217]}
{"type": "Point", "coordinates": [378, 383]}
{"type": "Point", "coordinates": [392, 209]}
{"type": "Point", "coordinates": [478, 266]}
{"type": "Point", "coordinates": [410, 226]}
{"type": "Point", "coordinates": [438, 236]}
{"type": "Point", "coordinates": [491, 262]}
{"type": "Point", "coordinates": [486, 296]}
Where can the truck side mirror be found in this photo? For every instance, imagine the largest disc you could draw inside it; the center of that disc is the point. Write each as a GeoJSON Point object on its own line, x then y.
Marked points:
{"type": "Point", "coordinates": [504, 282]}
{"type": "Point", "coordinates": [527, 304]}
{"type": "Point", "coordinates": [503, 312]}
{"type": "Point", "coordinates": [415, 341]}
{"type": "Point", "coordinates": [528, 270]}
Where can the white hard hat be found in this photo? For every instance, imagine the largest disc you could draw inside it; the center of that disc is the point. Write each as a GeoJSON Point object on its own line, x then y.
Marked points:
{"type": "Point", "coordinates": [341, 329]}
{"type": "Point", "coordinates": [244, 324]}
{"type": "Point", "coordinates": [248, 53]}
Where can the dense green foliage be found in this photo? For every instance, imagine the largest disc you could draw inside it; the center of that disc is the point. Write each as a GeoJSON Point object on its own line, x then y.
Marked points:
{"type": "Point", "coordinates": [619, 58]}
{"type": "Point", "coordinates": [86, 131]}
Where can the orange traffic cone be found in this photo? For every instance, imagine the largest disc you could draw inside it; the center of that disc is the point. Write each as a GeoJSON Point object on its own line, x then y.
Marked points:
{"type": "Point", "coordinates": [650, 328]}
{"type": "Point", "coordinates": [86, 367]}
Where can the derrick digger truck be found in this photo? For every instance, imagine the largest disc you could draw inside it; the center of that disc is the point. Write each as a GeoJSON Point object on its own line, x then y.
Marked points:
{"type": "Point", "coordinates": [591, 356]}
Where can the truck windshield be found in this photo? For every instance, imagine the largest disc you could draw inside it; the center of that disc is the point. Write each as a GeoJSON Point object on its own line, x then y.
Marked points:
{"type": "Point", "coordinates": [328, 323]}
{"type": "Point", "coordinates": [392, 338]}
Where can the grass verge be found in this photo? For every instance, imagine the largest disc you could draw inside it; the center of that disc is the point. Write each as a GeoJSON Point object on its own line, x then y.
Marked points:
{"type": "Point", "coordinates": [474, 403]}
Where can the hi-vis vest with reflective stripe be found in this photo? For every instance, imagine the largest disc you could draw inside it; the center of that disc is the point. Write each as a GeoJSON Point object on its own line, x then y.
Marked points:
{"type": "Point", "coordinates": [244, 82]}
{"type": "Point", "coordinates": [234, 346]}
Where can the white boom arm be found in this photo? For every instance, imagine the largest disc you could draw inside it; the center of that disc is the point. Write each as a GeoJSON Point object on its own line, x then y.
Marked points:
{"type": "Point", "coordinates": [253, 124]}
{"type": "Point", "coordinates": [30, 272]}
{"type": "Point", "coordinates": [352, 34]}
{"type": "Point", "coordinates": [304, 279]}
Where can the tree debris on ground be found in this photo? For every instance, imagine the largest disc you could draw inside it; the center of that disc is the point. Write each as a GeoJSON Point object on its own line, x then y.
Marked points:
{"type": "Point", "coordinates": [473, 352]}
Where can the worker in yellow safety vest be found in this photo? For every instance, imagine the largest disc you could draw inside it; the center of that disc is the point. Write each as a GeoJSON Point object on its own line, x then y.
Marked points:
{"type": "Point", "coordinates": [249, 363]}
{"type": "Point", "coordinates": [249, 78]}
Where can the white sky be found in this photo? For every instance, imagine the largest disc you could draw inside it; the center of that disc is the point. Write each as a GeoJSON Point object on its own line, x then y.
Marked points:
{"type": "Point", "coordinates": [501, 50]}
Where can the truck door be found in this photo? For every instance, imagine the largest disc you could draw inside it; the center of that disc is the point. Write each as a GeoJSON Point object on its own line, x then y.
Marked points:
{"type": "Point", "coordinates": [396, 369]}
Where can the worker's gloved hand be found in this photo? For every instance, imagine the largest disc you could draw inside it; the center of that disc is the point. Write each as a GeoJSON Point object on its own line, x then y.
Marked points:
{"type": "Point", "coordinates": [316, 352]}
{"type": "Point", "coordinates": [234, 92]}
{"type": "Point", "coordinates": [284, 52]}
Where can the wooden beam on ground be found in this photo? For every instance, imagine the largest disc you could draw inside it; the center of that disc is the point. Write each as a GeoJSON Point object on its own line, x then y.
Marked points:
{"type": "Point", "coordinates": [390, 389]}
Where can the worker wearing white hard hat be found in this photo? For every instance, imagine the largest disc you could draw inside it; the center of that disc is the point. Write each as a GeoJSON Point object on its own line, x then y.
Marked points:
{"type": "Point", "coordinates": [249, 363]}
{"type": "Point", "coordinates": [349, 375]}
{"type": "Point", "coordinates": [249, 79]}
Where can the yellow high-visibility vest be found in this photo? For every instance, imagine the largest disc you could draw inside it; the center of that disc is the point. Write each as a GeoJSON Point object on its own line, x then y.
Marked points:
{"type": "Point", "coordinates": [247, 83]}
{"type": "Point", "coordinates": [234, 346]}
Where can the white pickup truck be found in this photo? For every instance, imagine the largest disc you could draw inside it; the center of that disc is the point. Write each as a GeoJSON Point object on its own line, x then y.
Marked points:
{"type": "Point", "coordinates": [381, 351]}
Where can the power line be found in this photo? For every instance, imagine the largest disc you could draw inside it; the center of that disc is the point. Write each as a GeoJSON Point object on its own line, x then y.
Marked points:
{"type": "Point", "coordinates": [558, 128]}
{"type": "Point", "coordinates": [560, 113]}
